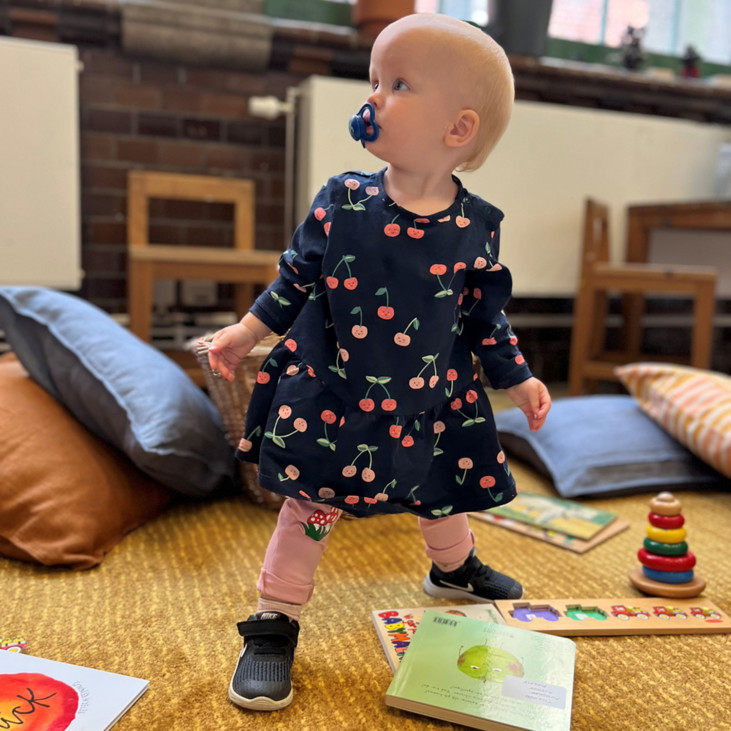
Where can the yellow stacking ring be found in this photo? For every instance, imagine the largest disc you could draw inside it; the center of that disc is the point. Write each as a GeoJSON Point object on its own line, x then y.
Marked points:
{"type": "Point", "coordinates": [666, 535]}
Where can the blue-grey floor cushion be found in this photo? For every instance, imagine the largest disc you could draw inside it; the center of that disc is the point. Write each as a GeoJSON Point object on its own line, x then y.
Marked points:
{"type": "Point", "coordinates": [600, 445]}
{"type": "Point", "coordinates": [120, 388]}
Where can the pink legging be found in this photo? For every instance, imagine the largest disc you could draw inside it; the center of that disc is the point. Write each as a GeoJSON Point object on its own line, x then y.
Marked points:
{"type": "Point", "coordinates": [287, 581]}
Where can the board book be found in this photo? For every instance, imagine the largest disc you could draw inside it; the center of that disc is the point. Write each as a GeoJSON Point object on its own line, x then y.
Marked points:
{"type": "Point", "coordinates": [44, 694]}
{"type": "Point", "coordinates": [486, 675]}
{"type": "Point", "coordinates": [569, 517]}
{"type": "Point", "coordinates": [577, 545]}
{"type": "Point", "coordinates": [630, 616]}
{"type": "Point", "coordinates": [396, 627]}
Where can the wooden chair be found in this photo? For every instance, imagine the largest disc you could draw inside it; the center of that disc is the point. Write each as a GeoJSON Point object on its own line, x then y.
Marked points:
{"type": "Point", "coordinates": [589, 360]}
{"type": "Point", "coordinates": [241, 264]}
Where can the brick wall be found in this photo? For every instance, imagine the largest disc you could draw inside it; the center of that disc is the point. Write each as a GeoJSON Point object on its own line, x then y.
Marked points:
{"type": "Point", "coordinates": [153, 115]}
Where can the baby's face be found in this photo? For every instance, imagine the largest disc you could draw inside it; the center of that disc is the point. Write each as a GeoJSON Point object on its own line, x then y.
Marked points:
{"type": "Point", "coordinates": [414, 96]}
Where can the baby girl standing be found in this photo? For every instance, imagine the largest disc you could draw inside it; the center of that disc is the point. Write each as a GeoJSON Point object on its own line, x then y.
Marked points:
{"type": "Point", "coordinates": [371, 404]}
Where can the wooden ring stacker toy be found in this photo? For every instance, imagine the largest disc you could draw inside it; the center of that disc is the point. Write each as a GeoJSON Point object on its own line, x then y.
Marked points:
{"type": "Point", "coordinates": [666, 521]}
{"type": "Point", "coordinates": [664, 535]}
{"type": "Point", "coordinates": [665, 504]}
{"type": "Point", "coordinates": [665, 549]}
{"type": "Point", "coordinates": [666, 563]}
{"type": "Point", "coordinates": [666, 542]}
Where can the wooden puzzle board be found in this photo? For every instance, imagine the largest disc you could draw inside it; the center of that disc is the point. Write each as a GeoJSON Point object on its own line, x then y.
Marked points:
{"type": "Point", "coordinates": [631, 616]}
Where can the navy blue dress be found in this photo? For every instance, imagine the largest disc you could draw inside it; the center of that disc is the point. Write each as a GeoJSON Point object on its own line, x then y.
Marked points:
{"type": "Point", "coordinates": [371, 403]}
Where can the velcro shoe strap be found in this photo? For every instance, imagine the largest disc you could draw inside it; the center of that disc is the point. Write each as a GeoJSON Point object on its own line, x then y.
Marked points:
{"type": "Point", "coordinates": [472, 566]}
{"type": "Point", "coordinates": [262, 627]}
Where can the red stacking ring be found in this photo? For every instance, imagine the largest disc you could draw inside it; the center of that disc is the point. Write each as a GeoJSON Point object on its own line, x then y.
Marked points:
{"type": "Point", "coordinates": [666, 521]}
{"type": "Point", "coordinates": [666, 563]}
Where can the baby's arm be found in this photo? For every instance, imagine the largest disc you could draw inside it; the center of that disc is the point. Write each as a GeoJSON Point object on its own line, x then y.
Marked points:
{"type": "Point", "coordinates": [300, 268]}
{"type": "Point", "coordinates": [231, 344]}
{"type": "Point", "coordinates": [490, 337]}
{"type": "Point", "coordinates": [532, 398]}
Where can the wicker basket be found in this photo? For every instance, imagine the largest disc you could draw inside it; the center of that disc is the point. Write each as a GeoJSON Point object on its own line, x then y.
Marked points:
{"type": "Point", "coordinates": [232, 400]}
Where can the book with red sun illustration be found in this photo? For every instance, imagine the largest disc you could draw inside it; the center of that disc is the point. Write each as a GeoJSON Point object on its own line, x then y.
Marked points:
{"type": "Point", "coordinates": [45, 695]}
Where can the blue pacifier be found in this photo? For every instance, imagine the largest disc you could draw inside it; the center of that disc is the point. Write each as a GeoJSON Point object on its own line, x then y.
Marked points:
{"type": "Point", "coordinates": [358, 127]}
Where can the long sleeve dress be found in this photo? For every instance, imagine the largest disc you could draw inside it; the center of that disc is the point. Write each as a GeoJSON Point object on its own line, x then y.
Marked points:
{"type": "Point", "coordinates": [371, 403]}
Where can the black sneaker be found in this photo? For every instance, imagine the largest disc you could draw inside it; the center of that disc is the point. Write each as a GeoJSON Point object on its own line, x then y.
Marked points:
{"type": "Point", "coordinates": [473, 580]}
{"type": "Point", "coordinates": [262, 680]}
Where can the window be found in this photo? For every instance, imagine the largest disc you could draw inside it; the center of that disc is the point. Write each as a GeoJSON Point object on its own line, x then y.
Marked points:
{"type": "Point", "coordinates": [671, 25]}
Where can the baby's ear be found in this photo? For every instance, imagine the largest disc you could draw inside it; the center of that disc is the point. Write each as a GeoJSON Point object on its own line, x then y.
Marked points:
{"type": "Point", "coordinates": [463, 130]}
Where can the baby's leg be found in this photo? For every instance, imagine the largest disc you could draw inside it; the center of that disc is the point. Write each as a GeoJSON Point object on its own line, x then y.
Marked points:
{"type": "Point", "coordinates": [457, 572]}
{"type": "Point", "coordinates": [448, 540]}
{"type": "Point", "coordinates": [287, 580]}
{"type": "Point", "coordinates": [262, 679]}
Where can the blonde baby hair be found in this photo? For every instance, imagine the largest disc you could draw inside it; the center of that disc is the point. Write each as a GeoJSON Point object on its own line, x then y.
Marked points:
{"type": "Point", "coordinates": [482, 76]}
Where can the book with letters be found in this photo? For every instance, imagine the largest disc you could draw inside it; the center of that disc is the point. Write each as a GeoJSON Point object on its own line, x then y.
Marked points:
{"type": "Point", "coordinates": [44, 694]}
{"type": "Point", "coordinates": [396, 627]}
{"type": "Point", "coordinates": [486, 675]}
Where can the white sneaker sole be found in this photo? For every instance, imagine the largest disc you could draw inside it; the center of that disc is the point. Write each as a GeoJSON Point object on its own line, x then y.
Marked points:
{"type": "Point", "coordinates": [261, 703]}
{"type": "Point", "coordinates": [444, 593]}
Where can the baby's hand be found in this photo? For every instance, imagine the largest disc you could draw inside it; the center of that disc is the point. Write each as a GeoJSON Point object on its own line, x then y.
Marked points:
{"type": "Point", "coordinates": [533, 399]}
{"type": "Point", "coordinates": [228, 348]}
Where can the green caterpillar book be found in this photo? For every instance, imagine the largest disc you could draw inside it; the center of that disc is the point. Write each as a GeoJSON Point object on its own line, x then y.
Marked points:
{"type": "Point", "coordinates": [396, 627]}
{"type": "Point", "coordinates": [485, 675]}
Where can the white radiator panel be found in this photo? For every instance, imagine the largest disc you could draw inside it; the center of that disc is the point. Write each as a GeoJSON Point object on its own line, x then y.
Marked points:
{"type": "Point", "coordinates": [40, 240]}
{"type": "Point", "coordinates": [549, 160]}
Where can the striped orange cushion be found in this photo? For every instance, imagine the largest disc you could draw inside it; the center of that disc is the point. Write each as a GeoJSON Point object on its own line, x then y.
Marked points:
{"type": "Point", "coordinates": [692, 405]}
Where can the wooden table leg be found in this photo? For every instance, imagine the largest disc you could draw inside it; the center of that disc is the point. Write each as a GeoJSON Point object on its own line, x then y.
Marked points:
{"type": "Point", "coordinates": [140, 299]}
{"type": "Point", "coordinates": [633, 305]}
{"type": "Point", "coordinates": [702, 342]}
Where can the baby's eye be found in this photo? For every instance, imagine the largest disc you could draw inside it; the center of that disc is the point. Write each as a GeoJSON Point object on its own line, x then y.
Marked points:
{"type": "Point", "coordinates": [374, 85]}
{"type": "Point", "coordinates": [400, 85]}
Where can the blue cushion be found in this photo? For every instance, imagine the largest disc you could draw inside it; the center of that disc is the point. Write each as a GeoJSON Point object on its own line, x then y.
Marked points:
{"type": "Point", "coordinates": [120, 388]}
{"type": "Point", "coordinates": [601, 445]}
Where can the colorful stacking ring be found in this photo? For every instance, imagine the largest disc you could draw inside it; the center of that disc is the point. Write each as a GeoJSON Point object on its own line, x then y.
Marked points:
{"type": "Point", "coordinates": [674, 535]}
{"type": "Point", "coordinates": [668, 577]}
{"type": "Point", "coordinates": [665, 504]}
{"type": "Point", "coordinates": [665, 549]}
{"type": "Point", "coordinates": [666, 521]}
{"type": "Point", "coordinates": [666, 563]}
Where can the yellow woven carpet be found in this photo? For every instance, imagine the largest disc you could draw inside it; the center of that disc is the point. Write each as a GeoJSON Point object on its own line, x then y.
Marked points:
{"type": "Point", "coordinates": [164, 603]}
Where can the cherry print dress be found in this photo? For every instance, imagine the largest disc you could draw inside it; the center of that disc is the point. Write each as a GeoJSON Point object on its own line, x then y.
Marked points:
{"type": "Point", "coordinates": [371, 403]}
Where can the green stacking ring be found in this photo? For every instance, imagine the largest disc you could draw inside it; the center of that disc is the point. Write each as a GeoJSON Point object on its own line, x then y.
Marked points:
{"type": "Point", "coordinates": [666, 549]}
